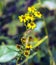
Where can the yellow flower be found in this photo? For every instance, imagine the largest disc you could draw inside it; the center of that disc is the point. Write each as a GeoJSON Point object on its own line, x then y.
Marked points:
{"type": "Point", "coordinates": [23, 18]}
{"type": "Point", "coordinates": [31, 9]}
{"type": "Point", "coordinates": [18, 46]}
{"type": "Point", "coordinates": [38, 14]}
{"type": "Point", "coordinates": [26, 53]}
{"type": "Point", "coordinates": [30, 16]}
{"type": "Point", "coordinates": [30, 39]}
{"type": "Point", "coordinates": [31, 25]}
{"type": "Point", "coordinates": [23, 40]}
{"type": "Point", "coordinates": [28, 46]}
{"type": "Point", "coordinates": [35, 39]}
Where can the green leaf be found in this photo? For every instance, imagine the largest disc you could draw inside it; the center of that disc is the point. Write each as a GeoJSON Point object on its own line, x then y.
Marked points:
{"type": "Point", "coordinates": [1, 5]}
{"type": "Point", "coordinates": [40, 54]}
{"type": "Point", "coordinates": [7, 53]}
{"type": "Point", "coordinates": [20, 4]}
{"type": "Point", "coordinates": [49, 19]}
{"type": "Point", "coordinates": [8, 40]}
{"type": "Point", "coordinates": [12, 27]}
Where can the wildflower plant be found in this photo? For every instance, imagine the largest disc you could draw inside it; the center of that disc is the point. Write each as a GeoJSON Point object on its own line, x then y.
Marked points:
{"type": "Point", "coordinates": [29, 40]}
{"type": "Point", "coordinates": [29, 43]}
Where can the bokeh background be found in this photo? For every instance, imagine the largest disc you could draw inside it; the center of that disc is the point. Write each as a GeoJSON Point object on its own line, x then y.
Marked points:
{"type": "Point", "coordinates": [11, 28]}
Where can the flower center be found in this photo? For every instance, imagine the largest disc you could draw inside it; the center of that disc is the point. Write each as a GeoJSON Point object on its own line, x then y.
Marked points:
{"type": "Point", "coordinates": [24, 39]}
{"type": "Point", "coordinates": [30, 38]}
{"type": "Point", "coordinates": [30, 15]}
{"type": "Point", "coordinates": [28, 44]}
{"type": "Point", "coordinates": [38, 13]}
{"type": "Point", "coordinates": [23, 17]}
{"type": "Point", "coordinates": [26, 53]}
{"type": "Point", "coordinates": [32, 8]}
{"type": "Point", "coordinates": [32, 24]}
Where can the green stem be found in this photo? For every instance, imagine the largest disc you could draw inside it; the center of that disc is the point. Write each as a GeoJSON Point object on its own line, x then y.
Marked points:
{"type": "Point", "coordinates": [49, 51]}
{"type": "Point", "coordinates": [39, 1]}
{"type": "Point", "coordinates": [28, 58]}
{"type": "Point", "coordinates": [40, 42]}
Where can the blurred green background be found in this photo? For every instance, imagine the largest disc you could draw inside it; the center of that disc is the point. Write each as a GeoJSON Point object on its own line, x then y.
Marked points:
{"type": "Point", "coordinates": [11, 30]}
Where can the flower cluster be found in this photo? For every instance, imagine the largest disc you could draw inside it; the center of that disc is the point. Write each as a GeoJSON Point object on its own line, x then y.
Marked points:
{"type": "Point", "coordinates": [29, 18]}
{"type": "Point", "coordinates": [28, 47]}
{"type": "Point", "coordinates": [27, 44]}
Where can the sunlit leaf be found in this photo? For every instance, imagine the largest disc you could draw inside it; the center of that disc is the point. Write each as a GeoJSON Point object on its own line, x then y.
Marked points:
{"type": "Point", "coordinates": [7, 53]}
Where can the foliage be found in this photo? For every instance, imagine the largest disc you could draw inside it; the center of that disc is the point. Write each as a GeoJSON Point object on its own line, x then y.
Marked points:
{"type": "Point", "coordinates": [27, 32]}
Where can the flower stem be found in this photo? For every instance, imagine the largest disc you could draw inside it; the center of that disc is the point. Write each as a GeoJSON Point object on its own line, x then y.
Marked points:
{"type": "Point", "coordinates": [40, 42]}
{"type": "Point", "coordinates": [49, 51]}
